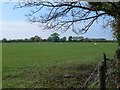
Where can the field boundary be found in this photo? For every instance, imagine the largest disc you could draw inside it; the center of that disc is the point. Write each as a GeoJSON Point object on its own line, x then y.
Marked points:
{"type": "Point", "coordinates": [104, 74]}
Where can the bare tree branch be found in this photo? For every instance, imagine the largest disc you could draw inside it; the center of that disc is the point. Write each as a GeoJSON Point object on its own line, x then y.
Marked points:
{"type": "Point", "coordinates": [59, 13]}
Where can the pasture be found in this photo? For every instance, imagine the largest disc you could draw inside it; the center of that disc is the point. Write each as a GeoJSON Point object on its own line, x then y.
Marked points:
{"type": "Point", "coordinates": [48, 65]}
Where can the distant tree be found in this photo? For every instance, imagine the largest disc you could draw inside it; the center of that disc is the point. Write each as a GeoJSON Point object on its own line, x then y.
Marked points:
{"type": "Point", "coordinates": [70, 38]}
{"type": "Point", "coordinates": [26, 40]}
{"type": "Point", "coordinates": [54, 37]}
{"type": "Point", "coordinates": [77, 38]}
{"type": "Point", "coordinates": [32, 39]}
{"type": "Point", "coordinates": [44, 40]}
{"type": "Point", "coordinates": [49, 39]}
{"type": "Point", "coordinates": [86, 40]}
{"type": "Point", "coordinates": [4, 40]}
{"type": "Point", "coordinates": [37, 39]}
{"type": "Point", "coordinates": [102, 39]}
{"type": "Point", "coordinates": [81, 38]}
{"type": "Point", "coordinates": [63, 39]}
{"type": "Point", "coordinates": [19, 40]}
{"type": "Point", "coordinates": [96, 40]}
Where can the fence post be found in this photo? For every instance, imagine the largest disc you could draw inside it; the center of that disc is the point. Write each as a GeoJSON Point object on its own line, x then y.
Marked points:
{"type": "Point", "coordinates": [104, 59]}
{"type": "Point", "coordinates": [102, 76]}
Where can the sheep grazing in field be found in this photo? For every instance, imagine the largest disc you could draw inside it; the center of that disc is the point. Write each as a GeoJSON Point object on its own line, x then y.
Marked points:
{"type": "Point", "coordinates": [95, 43]}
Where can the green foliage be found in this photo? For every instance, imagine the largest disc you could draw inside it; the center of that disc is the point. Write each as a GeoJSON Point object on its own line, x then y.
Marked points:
{"type": "Point", "coordinates": [35, 39]}
{"type": "Point", "coordinates": [63, 39]}
{"type": "Point", "coordinates": [49, 39]}
{"type": "Point", "coordinates": [77, 38]}
{"type": "Point", "coordinates": [113, 74]}
{"type": "Point", "coordinates": [32, 39]}
{"type": "Point", "coordinates": [4, 40]}
{"type": "Point", "coordinates": [106, 7]}
{"type": "Point", "coordinates": [70, 38]}
{"type": "Point", "coordinates": [54, 37]}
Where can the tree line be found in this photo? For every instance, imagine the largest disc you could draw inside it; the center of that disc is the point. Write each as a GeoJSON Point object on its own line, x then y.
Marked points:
{"type": "Point", "coordinates": [55, 38]}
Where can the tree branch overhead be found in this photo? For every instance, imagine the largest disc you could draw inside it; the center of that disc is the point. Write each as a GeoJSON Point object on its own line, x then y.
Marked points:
{"type": "Point", "coordinates": [58, 14]}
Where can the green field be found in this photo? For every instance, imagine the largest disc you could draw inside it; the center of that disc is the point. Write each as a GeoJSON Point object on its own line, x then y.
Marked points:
{"type": "Point", "coordinates": [46, 65]}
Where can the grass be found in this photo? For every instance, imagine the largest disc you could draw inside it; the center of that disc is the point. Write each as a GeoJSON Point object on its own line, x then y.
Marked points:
{"type": "Point", "coordinates": [48, 65]}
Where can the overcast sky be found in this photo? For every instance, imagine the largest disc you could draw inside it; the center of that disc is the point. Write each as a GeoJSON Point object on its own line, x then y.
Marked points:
{"type": "Point", "coordinates": [14, 26]}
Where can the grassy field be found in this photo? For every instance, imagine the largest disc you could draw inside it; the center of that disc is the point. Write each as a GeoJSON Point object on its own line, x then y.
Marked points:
{"type": "Point", "coordinates": [47, 65]}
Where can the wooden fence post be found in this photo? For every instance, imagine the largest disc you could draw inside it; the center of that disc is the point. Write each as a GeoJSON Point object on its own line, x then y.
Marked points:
{"type": "Point", "coordinates": [104, 59]}
{"type": "Point", "coordinates": [102, 76]}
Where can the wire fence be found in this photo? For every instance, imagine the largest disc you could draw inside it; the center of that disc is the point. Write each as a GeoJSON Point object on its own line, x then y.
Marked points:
{"type": "Point", "coordinates": [105, 75]}
{"type": "Point", "coordinates": [90, 77]}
